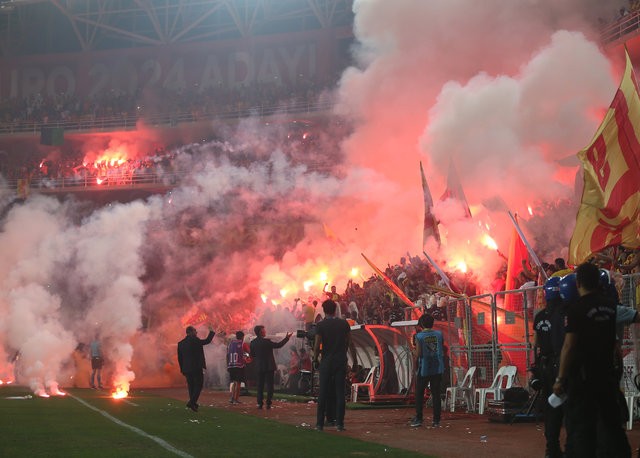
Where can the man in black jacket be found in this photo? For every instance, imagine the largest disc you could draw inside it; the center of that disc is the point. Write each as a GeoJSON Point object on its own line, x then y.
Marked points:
{"type": "Point", "coordinates": [192, 363]}
{"type": "Point", "coordinates": [262, 353]}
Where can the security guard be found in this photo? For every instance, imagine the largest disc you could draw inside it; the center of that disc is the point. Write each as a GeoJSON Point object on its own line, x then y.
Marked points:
{"type": "Point", "coordinates": [549, 328]}
{"type": "Point", "coordinates": [587, 371]}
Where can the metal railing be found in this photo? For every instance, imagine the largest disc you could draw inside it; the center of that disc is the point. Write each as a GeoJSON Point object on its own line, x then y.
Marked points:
{"type": "Point", "coordinates": [119, 180]}
{"type": "Point", "coordinates": [620, 28]}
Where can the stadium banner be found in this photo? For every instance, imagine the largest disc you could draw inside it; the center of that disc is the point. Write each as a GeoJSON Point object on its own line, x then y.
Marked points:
{"type": "Point", "coordinates": [279, 59]}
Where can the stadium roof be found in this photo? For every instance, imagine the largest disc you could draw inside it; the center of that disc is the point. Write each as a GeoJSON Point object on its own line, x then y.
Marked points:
{"type": "Point", "coordinates": [30, 27]}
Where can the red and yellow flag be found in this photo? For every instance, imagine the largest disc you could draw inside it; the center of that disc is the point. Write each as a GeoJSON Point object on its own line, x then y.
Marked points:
{"type": "Point", "coordinates": [332, 235]}
{"type": "Point", "coordinates": [395, 288]}
{"type": "Point", "coordinates": [610, 206]}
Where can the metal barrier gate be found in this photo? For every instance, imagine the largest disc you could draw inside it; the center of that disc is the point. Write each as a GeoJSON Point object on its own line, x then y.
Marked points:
{"type": "Point", "coordinates": [492, 330]}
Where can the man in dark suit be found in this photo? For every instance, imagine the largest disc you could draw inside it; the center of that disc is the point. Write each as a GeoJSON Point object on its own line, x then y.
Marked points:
{"type": "Point", "coordinates": [192, 362]}
{"type": "Point", "coordinates": [262, 354]}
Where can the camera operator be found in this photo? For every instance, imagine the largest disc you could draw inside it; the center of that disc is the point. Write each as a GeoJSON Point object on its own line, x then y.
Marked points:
{"type": "Point", "coordinates": [548, 325]}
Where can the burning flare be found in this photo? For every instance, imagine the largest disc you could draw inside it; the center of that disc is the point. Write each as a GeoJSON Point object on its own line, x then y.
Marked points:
{"type": "Point", "coordinates": [120, 393]}
{"type": "Point", "coordinates": [489, 242]}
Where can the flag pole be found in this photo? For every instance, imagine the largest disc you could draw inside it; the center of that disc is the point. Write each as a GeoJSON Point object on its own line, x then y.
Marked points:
{"type": "Point", "coordinates": [526, 243]}
{"type": "Point", "coordinates": [437, 268]}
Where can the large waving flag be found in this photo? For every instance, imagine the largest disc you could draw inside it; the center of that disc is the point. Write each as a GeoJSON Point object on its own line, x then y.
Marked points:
{"type": "Point", "coordinates": [517, 254]}
{"type": "Point", "coordinates": [430, 228]}
{"type": "Point", "coordinates": [392, 286]}
{"type": "Point", "coordinates": [332, 235]}
{"type": "Point", "coordinates": [610, 206]}
{"type": "Point", "coordinates": [454, 190]}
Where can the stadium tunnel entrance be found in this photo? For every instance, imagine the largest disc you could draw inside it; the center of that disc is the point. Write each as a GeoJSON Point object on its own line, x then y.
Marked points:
{"type": "Point", "coordinates": [386, 379]}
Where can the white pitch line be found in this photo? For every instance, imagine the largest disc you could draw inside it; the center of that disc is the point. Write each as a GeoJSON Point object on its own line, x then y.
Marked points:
{"type": "Point", "coordinates": [161, 442]}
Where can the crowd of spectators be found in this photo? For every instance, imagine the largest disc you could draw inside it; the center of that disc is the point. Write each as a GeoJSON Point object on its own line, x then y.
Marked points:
{"type": "Point", "coordinates": [373, 302]}
{"type": "Point", "coordinates": [163, 165]}
{"type": "Point", "coordinates": [199, 104]}
{"type": "Point", "coordinates": [73, 170]}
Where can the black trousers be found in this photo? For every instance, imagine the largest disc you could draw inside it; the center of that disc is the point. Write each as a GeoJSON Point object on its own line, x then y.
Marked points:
{"type": "Point", "coordinates": [333, 374]}
{"type": "Point", "coordinates": [553, 417]}
{"type": "Point", "coordinates": [265, 378]}
{"type": "Point", "coordinates": [434, 382]}
{"type": "Point", "coordinates": [195, 380]}
{"type": "Point", "coordinates": [293, 383]}
{"type": "Point", "coordinates": [594, 421]}
{"type": "Point", "coordinates": [330, 410]}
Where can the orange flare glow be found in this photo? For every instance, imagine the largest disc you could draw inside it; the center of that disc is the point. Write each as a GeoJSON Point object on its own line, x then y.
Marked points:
{"type": "Point", "coordinates": [109, 158]}
{"type": "Point", "coordinates": [119, 393]}
{"type": "Point", "coordinates": [530, 210]}
{"type": "Point", "coordinates": [354, 272]}
{"type": "Point", "coordinates": [489, 242]}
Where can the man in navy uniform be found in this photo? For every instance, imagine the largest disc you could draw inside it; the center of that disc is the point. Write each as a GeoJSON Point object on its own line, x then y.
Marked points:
{"type": "Point", "coordinates": [548, 325]}
{"type": "Point", "coordinates": [587, 371]}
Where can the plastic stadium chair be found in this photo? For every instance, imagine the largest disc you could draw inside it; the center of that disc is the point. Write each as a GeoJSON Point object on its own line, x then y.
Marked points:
{"type": "Point", "coordinates": [503, 380]}
{"type": "Point", "coordinates": [463, 390]}
{"type": "Point", "coordinates": [631, 397]}
{"type": "Point", "coordinates": [368, 383]}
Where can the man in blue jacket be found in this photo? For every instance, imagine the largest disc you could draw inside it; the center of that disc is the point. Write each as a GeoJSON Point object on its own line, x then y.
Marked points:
{"type": "Point", "coordinates": [430, 367]}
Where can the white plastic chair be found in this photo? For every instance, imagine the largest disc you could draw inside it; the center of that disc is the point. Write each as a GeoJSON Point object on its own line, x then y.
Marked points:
{"type": "Point", "coordinates": [464, 389]}
{"type": "Point", "coordinates": [503, 380]}
{"type": "Point", "coordinates": [368, 383]}
{"type": "Point", "coordinates": [631, 397]}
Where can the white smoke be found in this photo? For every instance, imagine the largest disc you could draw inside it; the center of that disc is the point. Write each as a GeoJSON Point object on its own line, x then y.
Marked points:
{"type": "Point", "coordinates": [503, 89]}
